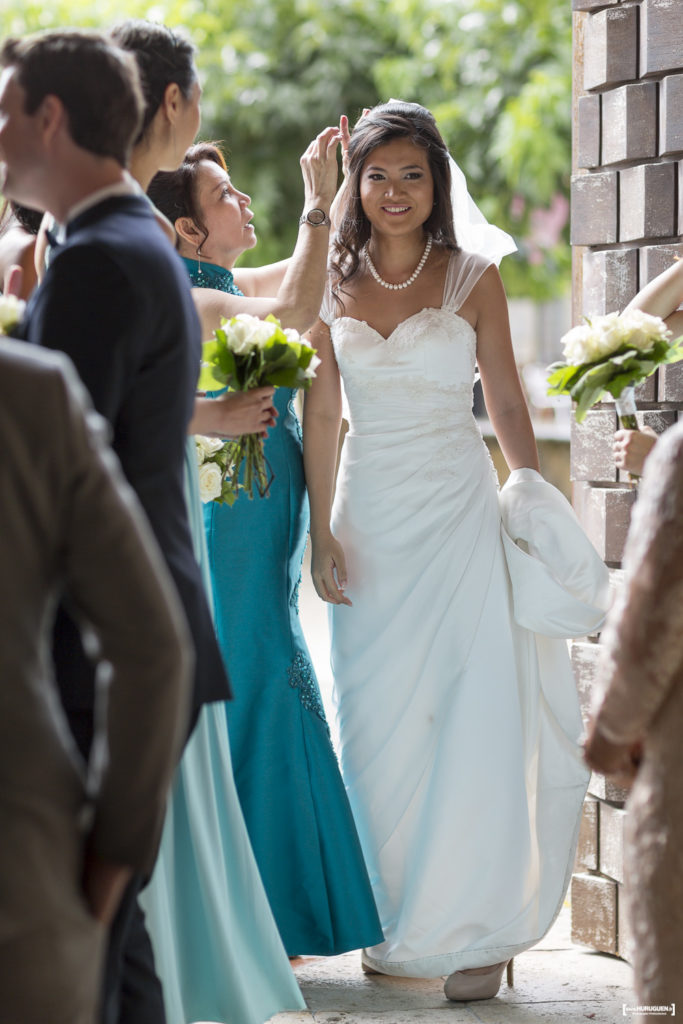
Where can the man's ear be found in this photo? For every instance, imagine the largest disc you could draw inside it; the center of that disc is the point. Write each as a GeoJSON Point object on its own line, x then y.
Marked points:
{"type": "Point", "coordinates": [188, 230]}
{"type": "Point", "coordinates": [52, 117]}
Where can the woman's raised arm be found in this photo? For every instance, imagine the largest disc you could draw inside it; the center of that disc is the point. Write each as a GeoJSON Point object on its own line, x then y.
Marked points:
{"type": "Point", "coordinates": [297, 301]}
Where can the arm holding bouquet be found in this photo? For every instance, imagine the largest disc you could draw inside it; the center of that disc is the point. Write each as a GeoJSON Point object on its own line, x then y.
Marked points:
{"type": "Point", "coordinates": [661, 297]}
{"type": "Point", "coordinates": [247, 353]}
{"type": "Point", "coordinates": [610, 354]}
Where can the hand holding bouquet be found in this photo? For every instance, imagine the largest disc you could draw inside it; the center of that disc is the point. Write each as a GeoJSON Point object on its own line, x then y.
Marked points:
{"type": "Point", "coordinates": [247, 353]}
{"type": "Point", "coordinates": [609, 354]}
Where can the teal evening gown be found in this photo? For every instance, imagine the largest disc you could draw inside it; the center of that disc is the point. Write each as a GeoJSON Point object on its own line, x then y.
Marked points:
{"type": "Point", "coordinates": [216, 946]}
{"type": "Point", "coordinates": [289, 784]}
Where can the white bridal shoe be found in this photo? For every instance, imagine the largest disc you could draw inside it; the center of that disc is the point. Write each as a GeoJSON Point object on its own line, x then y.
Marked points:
{"type": "Point", "coordinates": [465, 987]}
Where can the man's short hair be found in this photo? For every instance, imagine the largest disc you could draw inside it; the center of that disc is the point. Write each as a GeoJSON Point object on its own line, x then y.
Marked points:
{"type": "Point", "coordinates": [97, 83]}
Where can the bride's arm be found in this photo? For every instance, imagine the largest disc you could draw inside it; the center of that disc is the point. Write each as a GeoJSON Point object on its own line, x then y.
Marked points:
{"type": "Point", "coordinates": [503, 394]}
{"type": "Point", "coordinates": [321, 423]}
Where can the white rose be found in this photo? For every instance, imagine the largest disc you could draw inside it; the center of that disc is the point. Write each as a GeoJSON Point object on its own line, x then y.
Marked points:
{"type": "Point", "coordinates": [249, 332]}
{"type": "Point", "coordinates": [210, 481]}
{"type": "Point", "coordinates": [11, 311]}
{"type": "Point", "coordinates": [292, 335]}
{"type": "Point", "coordinates": [309, 372]}
{"type": "Point", "coordinates": [607, 334]}
{"type": "Point", "coordinates": [206, 447]}
{"type": "Point", "coordinates": [642, 330]}
{"type": "Point", "coordinates": [574, 345]}
{"type": "Point", "coordinates": [590, 342]}
{"type": "Point", "coordinates": [238, 333]}
{"type": "Point", "coordinates": [262, 331]}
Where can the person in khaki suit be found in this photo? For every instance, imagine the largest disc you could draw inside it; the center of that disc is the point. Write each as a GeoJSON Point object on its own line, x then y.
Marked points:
{"type": "Point", "coordinates": [637, 722]}
{"type": "Point", "coordinates": [71, 527]}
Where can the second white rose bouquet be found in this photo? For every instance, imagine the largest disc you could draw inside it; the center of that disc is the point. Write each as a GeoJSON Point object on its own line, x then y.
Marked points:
{"type": "Point", "coordinates": [214, 464]}
{"type": "Point", "coordinates": [609, 354]}
{"type": "Point", "coordinates": [247, 353]}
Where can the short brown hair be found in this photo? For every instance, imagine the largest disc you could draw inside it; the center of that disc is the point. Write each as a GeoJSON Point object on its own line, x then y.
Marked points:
{"type": "Point", "coordinates": [97, 83]}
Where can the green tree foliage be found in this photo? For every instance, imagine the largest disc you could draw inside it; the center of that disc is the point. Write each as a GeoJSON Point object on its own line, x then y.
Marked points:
{"type": "Point", "coordinates": [496, 73]}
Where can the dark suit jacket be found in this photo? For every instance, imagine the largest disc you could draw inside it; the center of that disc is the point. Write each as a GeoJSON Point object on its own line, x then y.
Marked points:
{"type": "Point", "coordinates": [117, 300]}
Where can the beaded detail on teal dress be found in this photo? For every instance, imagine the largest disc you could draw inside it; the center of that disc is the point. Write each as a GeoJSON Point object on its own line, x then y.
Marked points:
{"type": "Point", "coordinates": [208, 275]}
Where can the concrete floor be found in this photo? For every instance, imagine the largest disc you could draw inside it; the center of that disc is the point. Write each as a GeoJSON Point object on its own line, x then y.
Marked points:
{"type": "Point", "coordinates": [555, 983]}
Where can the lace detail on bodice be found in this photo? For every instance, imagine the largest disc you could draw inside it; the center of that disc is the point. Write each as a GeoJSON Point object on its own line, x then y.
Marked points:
{"type": "Point", "coordinates": [426, 363]}
{"type": "Point", "coordinates": [302, 678]}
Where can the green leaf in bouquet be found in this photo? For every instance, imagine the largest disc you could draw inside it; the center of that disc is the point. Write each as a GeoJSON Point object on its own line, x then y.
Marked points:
{"type": "Point", "coordinates": [305, 356]}
{"type": "Point", "coordinates": [674, 351]}
{"type": "Point", "coordinates": [280, 353]}
{"type": "Point", "coordinates": [617, 384]}
{"type": "Point", "coordinates": [561, 378]}
{"type": "Point", "coordinates": [217, 367]}
{"type": "Point", "coordinates": [587, 391]}
{"type": "Point", "coordinates": [623, 355]}
{"type": "Point", "coordinates": [289, 377]}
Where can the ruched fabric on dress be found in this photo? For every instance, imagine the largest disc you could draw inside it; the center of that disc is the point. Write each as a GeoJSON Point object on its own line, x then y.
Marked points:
{"type": "Point", "coordinates": [458, 726]}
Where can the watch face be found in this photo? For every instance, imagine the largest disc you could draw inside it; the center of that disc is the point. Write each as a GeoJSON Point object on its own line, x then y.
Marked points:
{"type": "Point", "coordinates": [316, 216]}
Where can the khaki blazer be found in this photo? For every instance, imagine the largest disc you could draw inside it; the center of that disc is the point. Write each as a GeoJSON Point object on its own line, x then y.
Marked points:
{"type": "Point", "coordinates": [70, 527]}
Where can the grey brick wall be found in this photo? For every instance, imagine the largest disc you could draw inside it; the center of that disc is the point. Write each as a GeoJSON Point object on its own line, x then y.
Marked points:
{"type": "Point", "coordinates": [626, 227]}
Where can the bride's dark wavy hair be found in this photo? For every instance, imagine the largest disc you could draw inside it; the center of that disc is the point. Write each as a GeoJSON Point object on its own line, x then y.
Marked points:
{"type": "Point", "coordinates": [386, 123]}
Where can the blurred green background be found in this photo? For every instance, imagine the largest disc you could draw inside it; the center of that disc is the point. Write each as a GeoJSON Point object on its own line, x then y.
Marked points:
{"type": "Point", "coordinates": [496, 74]}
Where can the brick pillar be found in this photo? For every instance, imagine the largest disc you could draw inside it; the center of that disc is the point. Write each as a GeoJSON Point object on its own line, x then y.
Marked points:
{"type": "Point", "coordinates": [626, 226]}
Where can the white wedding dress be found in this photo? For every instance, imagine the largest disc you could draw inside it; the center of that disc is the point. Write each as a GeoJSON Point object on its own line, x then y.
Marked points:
{"type": "Point", "coordinates": [458, 726]}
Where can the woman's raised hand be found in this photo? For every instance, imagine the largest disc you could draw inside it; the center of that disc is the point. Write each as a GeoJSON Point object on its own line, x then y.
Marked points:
{"type": "Point", "coordinates": [345, 138]}
{"type": "Point", "coordinates": [328, 569]}
{"type": "Point", "coordinates": [320, 169]}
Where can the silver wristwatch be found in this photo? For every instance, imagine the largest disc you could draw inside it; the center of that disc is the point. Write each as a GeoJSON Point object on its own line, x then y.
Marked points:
{"type": "Point", "coordinates": [316, 217]}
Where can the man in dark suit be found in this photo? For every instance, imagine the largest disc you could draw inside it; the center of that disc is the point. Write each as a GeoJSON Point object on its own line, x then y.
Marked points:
{"type": "Point", "coordinates": [116, 299]}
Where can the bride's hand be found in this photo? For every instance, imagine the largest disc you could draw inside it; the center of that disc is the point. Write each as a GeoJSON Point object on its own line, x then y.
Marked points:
{"type": "Point", "coordinates": [320, 169]}
{"type": "Point", "coordinates": [328, 569]}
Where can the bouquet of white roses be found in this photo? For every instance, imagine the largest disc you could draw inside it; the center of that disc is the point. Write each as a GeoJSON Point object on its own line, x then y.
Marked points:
{"type": "Point", "coordinates": [247, 353]}
{"type": "Point", "coordinates": [214, 462]}
{"type": "Point", "coordinates": [11, 312]}
{"type": "Point", "coordinates": [610, 353]}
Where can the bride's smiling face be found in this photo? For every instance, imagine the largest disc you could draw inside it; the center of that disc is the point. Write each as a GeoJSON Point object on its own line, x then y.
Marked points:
{"type": "Point", "coordinates": [397, 187]}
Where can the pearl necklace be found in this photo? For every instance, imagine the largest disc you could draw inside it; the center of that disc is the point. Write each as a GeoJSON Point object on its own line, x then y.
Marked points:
{"type": "Point", "coordinates": [413, 276]}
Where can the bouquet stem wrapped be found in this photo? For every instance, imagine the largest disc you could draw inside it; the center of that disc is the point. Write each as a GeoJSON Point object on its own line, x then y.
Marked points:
{"type": "Point", "coordinates": [247, 353]}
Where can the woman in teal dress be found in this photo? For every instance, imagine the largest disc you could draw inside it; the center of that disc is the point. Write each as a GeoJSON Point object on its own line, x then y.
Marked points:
{"type": "Point", "coordinates": [216, 946]}
{"type": "Point", "coordinates": [286, 772]}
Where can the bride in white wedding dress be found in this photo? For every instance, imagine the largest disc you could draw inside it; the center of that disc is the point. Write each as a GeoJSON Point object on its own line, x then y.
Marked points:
{"type": "Point", "coordinates": [458, 724]}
